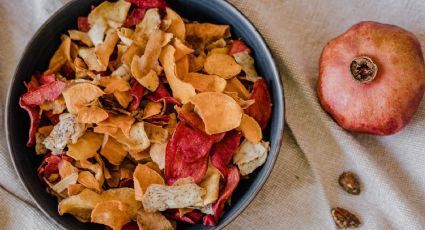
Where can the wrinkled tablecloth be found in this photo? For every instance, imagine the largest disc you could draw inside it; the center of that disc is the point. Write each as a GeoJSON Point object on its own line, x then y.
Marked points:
{"type": "Point", "coordinates": [303, 185]}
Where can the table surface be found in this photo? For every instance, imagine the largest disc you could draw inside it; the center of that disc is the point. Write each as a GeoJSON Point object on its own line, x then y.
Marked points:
{"type": "Point", "coordinates": [303, 185]}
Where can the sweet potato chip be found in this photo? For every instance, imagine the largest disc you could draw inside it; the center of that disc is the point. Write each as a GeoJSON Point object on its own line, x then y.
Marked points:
{"type": "Point", "coordinates": [80, 68]}
{"type": "Point", "coordinates": [156, 133]}
{"type": "Point", "coordinates": [181, 49]}
{"type": "Point", "coordinates": [66, 168]}
{"type": "Point", "coordinates": [104, 50]}
{"type": "Point", "coordinates": [182, 67]}
{"type": "Point", "coordinates": [243, 103]}
{"type": "Point", "coordinates": [78, 95]}
{"type": "Point", "coordinates": [261, 110]}
{"type": "Point", "coordinates": [220, 43]}
{"type": "Point", "coordinates": [63, 183]}
{"type": "Point", "coordinates": [96, 168]}
{"type": "Point", "coordinates": [250, 156]}
{"type": "Point", "coordinates": [143, 177]}
{"type": "Point", "coordinates": [74, 189]}
{"type": "Point", "coordinates": [113, 151]}
{"type": "Point", "coordinates": [200, 34]}
{"type": "Point", "coordinates": [113, 84]}
{"type": "Point", "coordinates": [61, 56]}
{"type": "Point", "coordinates": [114, 13]}
{"type": "Point", "coordinates": [234, 85]}
{"type": "Point", "coordinates": [129, 54]}
{"type": "Point", "coordinates": [89, 181]}
{"type": "Point", "coordinates": [89, 57]}
{"type": "Point", "coordinates": [125, 195]}
{"type": "Point", "coordinates": [92, 114]}
{"type": "Point", "coordinates": [187, 154]}
{"type": "Point", "coordinates": [177, 26]}
{"type": "Point", "coordinates": [140, 156]}
{"type": "Point", "coordinates": [223, 151]}
{"type": "Point", "coordinates": [161, 197]}
{"type": "Point", "coordinates": [222, 65]}
{"type": "Point", "coordinates": [206, 83]}
{"type": "Point", "coordinates": [86, 146]}
{"type": "Point", "coordinates": [123, 98]}
{"type": "Point", "coordinates": [77, 35]}
{"type": "Point", "coordinates": [153, 221]}
{"type": "Point", "coordinates": [250, 129]}
{"type": "Point", "coordinates": [80, 205]}
{"type": "Point", "coordinates": [222, 50]}
{"type": "Point", "coordinates": [147, 27]}
{"type": "Point", "coordinates": [122, 122]}
{"type": "Point", "coordinates": [211, 184]}
{"type": "Point", "coordinates": [150, 81]}
{"type": "Point", "coordinates": [112, 213]}
{"type": "Point", "coordinates": [181, 90]}
{"type": "Point", "coordinates": [247, 64]}
{"type": "Point", "coordinates": [157, 154]}
{"type": "Point", "coordinates": [219, 112]}
{"type": "Point", "coordinates": [196, 63]}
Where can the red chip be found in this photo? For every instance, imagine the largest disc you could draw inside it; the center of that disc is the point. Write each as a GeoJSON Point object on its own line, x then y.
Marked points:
{"type": "Point", "coordinates": [147, 4]}
{"type": "Point", "coordinates": [47, 92]}
{"type": "Point", "coordinates": [50, 165]}
{"type": "Point", "coordinates": [46, 79]}
{"type": "Point", "coordinates": [136, 92]}
{"type": "Point", "coordinates": [239, 46]}
{"type": "Point", "coordinates": [135, 17]}
{"type": "Point", "coordinates": [126, 183]}
{"type": "Point", "coordinates": [34, 113]}
{"type": "Point", "coordinates": [187, 154]}
{"type": "Point", "coordinates": [83, 24]}
{"type": "Point", "coordinates": [162, 94]}
{"type": "Point", "coordinates": [32, 84]}
{"type": "Point", "coordinates": [222, 152]}
{"type": "Point", "coordinates": [261, 110]}
{"type": "Point", "coordinates": [232, 182]}
{"type": "Point", "coordinates": [192, 217]}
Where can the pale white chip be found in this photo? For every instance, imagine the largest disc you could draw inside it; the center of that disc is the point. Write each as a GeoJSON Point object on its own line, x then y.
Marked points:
{"type": "Point", "coordinates": [250, 156]}
{"type": "Point", "coordinates": [90, 58]}
{"type": "Point", "coordinates": [157, 153]}
{"type": "Point", "coordinates": [247, 63]}
{"type": "Point", "coordinates": [114, 13]}
{"type": "Point", "coordinates": [97, 31]}
{"type": "Point", "coordinates": [161, 197]}
{"type": "Point", "coordinates": [66, 130]}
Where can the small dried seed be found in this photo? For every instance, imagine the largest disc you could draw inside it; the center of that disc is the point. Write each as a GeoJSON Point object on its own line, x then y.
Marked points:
{"type": "Point", "coordinates": [344, 218]}
{"type": "Point", "coordinates": [350, 183]}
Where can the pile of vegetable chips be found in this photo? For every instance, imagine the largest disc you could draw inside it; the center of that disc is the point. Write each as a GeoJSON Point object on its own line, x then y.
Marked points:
{"type": "Point", "coordinates": [144, 118]}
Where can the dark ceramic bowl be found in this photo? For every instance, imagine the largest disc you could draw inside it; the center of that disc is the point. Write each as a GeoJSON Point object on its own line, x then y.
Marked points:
{"type": "Point", "coordinates": [47, 39]}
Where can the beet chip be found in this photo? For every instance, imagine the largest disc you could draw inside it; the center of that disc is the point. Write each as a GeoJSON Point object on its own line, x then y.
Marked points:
{"type": "Point", "coordinates": [147, 4]}
{"type": "Point", "coordinates": [192, 217]}
{"type": "Point", "coordinates": [232, 182]}
{"type": "Point", "coordinates": [134, 17]}
{"type": "Point", "coordinates": [47, 92]}
{"type": "Point", "coordinates": [136, 92]}
{"type": "Point", "coordinates": [50, 165]}
{"type": "Point", "coordinates": [261, 110]}
{"type": "Point", "coordinates": [222, 152]}
{"type": "Point", "coordinates": [32, 84]}
{"type": "Point", "coordinates": [239, 46]}
{"type": "Point", "coordinates": [83, 24]}
{"type": "Point", "coordinates": [34, 113]}
{"type": "Point", "coordinates": [187, 154]}
{"type": "Point", "coordinates": [46, 79]}
{"type": "Point", "coordinates": [162, 94]}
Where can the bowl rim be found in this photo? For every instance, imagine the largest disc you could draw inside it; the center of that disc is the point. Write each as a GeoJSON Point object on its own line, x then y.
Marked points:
{"type": "Point", "coordinates": [280, 110]}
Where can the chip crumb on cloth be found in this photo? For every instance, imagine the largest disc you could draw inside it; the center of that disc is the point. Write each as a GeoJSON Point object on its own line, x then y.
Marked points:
{"type": "Point", "coordinates": [150, 111]}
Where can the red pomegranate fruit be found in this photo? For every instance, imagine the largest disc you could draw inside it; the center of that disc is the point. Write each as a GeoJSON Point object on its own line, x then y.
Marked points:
{"type": "Point", "coordinates": [372, 78]}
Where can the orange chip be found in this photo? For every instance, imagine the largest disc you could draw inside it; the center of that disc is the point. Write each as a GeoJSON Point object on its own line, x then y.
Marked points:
{"type": "Point", "coordinates": [125, 195]}
{"type": "Point", "coordinates": [45, 130]}
{"type": "Point", "coordinates": [200, 34]}
{"type": "Point", "coordinates": [89, 57]}
{"type": "Point", "coordinates": [104, 50]}
{"type": "Point", "coordinates": [80, 205]}
{"type": "Point", "coordinates": [196, 63]}
{"type": "Point", "coordinates": [220, 43]}
{"type": "Point", "coordinates": [250, 129]}
{"type": "Point", "coordinates": [114, 13]}
{"type": "Point", "coordinates": [122, 122]}
{"type": "Point", "coordinates": [92, 114]}
{"type": "Point", "coordinates": [211, 184]}
{"type": "Point", "coordinates": [96, 168]}
{"type": "Point", "coordinates": [243, 103]}
{"type": "Point", "coordinates": [219, 112]}
{"type": "Point", "coordinates": [112, 213]}
{"type": "Point", "coordinates": [152, 108]}
{"type": "Point", "coordinates": [156, 133]}
{"type": "Point", "coordinates": [222, 50]}
{"type": "Point", "coordinates": [123, 98]}
{"type": "Point", "coordinates": [89, 181]}
{"type": "Point", "coordinates": [61, 56]}
{"type": "Point", "coordinates": [66, 169]}
{"type": "Point", "coordinates": [79, 95]}
{"type": "Point", "coordinates": [222, 65]}
{"type": "Point", "coordinates": [129, 54]}
{"type": "Point", "coordinates": [234, 85]}
{"type": "Point", "coordinates": [150, 23]}
{"type": "Point", "coordinates": [182, 67]}
{"type": "Point", "coordinates": [143, 177]}
{"type": "Point", "coordinates": [85, 147]}
{"type": "Point", "coordinates": [149, 81]}
{"type": "Point", "coordinates": [206, 83]}
{"type": "Point", "coordinates": [154, 166]}
{"type": "Point", "coordinates": [80, 36]}
{"type": "Point", "coordinates": [153, 220]}
{"type": "Point", "coordinates": [74, 189]}
{"type": "Point", "coordinates": [125, 35]}
{"type": "Point", "coordinates": [113, 151]}
{"type": "Point", "coordinates": [107, 130]}
{"type": "Point", "coordinates": [113, 84]}
{"type": "Point", "coordinates": [177, 26]}
{"type": "Point", "coordinates": [181, 90]}
{"type": "Point", "coordinates": [181, 49]}
{"type": "Point", "coordinates": [80, 68]}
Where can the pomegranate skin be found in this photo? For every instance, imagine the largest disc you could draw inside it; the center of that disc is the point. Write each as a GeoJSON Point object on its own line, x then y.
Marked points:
{"type": "Point", "coordinates": [387, 103]}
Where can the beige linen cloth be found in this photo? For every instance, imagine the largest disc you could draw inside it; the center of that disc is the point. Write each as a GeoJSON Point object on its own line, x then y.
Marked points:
{"type": "Point", "coordinates": [303, 185]}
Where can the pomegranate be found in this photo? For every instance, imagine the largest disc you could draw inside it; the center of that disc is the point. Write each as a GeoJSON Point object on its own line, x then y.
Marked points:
{"type": "Point", "coordinates": [372, 78]}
